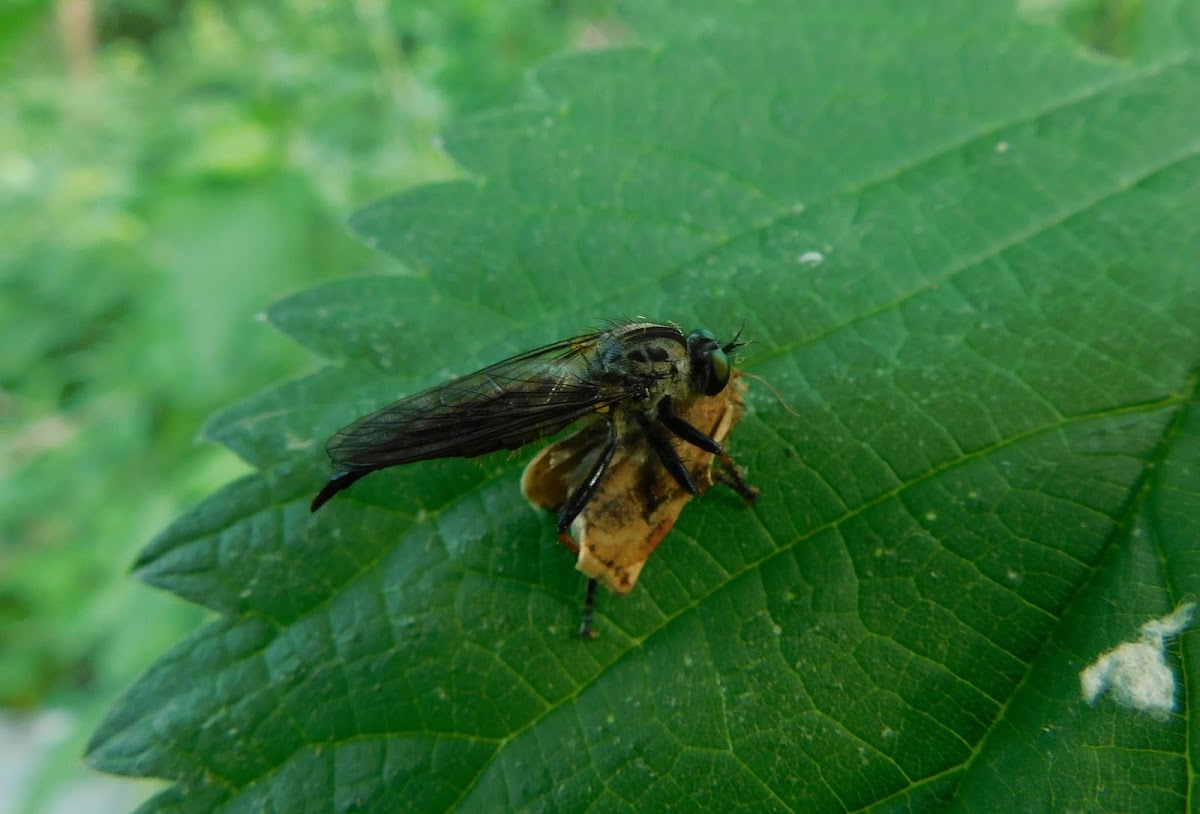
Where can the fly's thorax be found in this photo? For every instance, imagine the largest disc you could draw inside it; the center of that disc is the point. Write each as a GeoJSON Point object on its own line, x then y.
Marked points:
{"type": "Point", "coordinates": [653, 358]}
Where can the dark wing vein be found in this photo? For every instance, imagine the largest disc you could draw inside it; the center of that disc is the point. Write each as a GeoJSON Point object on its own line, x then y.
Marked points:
{"type": "Point", "coordinates": [504, 406]}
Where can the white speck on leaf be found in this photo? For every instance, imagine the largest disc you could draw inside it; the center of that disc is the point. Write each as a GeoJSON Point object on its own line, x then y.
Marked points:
{"type": "Point", "coordinates": [1002, 147]}
{"type": "Point", "coordinates": [1136, 674]}
{"type": "Point", "coordinates": [812, 259]}
{"type": "Point", "coordinates": [296, 444]}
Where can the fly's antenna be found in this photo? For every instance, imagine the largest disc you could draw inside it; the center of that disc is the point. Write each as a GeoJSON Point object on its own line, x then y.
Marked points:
{"type": "Point", "coordinates": [734, 344]}
{"type": "Point", "coordinates": [778, 397]}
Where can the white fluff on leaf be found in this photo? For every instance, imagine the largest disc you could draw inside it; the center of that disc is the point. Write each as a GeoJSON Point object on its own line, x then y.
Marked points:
{"type": "Point", "coordinates": [1136, 674]}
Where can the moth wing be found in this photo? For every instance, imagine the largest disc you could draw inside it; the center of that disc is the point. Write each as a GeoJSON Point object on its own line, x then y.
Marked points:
{"type": "Point", "coordinates": [558, 469]}
{"type": "Point", "coordinates": [639, 501]}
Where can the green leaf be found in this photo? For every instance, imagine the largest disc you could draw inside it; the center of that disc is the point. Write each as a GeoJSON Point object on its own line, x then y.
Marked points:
{"type": "Point", "coordinates": [968, 255]}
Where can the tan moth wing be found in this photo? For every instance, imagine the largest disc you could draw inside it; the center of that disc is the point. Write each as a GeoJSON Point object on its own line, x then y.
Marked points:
{"type": "Point", "coordinates": [639, 501]}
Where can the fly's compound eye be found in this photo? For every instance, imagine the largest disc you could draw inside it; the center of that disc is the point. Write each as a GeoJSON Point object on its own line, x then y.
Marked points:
{"type": "Point", "coordinates": [710, 363]}
{"type": "Point", "coordinates": [718, 376]}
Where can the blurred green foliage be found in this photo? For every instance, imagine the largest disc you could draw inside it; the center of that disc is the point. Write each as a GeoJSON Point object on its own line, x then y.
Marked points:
{"type": "Point", "coordinates": [159, 186]}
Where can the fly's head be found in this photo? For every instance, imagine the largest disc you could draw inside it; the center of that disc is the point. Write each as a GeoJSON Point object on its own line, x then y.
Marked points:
{"type": "Point", "coordinates": [709, 360]}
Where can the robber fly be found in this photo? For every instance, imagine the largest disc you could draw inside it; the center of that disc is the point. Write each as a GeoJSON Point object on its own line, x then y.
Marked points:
{"type": "Point", "coordinates": [632, 378]}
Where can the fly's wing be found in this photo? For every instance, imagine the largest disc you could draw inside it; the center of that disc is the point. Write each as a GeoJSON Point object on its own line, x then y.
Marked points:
{"type": "Point", "coordinates": [504, 406]}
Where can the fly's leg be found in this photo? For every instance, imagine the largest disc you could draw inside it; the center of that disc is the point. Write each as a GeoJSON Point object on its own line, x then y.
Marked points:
{"type": "Point", "coordinates": [731, 479]}
{"type": "Point", "coordinates": [586, 490]}
{"type": "Point", "coordinates": [566, 542]}
{"type": "Point", "coordinates": [697, 438]}
{"type": "Point", "coordinates": [574, 505]}
{"type": "Point", "coordinates": [589, 611]}
{"type": "Point", "coordinates": [667, 454]}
